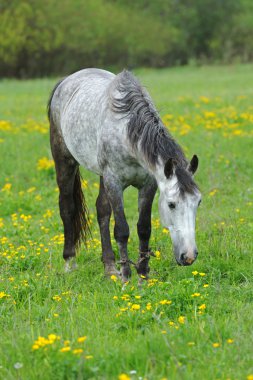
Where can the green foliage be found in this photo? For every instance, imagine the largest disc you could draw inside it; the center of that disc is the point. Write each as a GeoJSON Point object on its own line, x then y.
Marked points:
{"type": "Point", "coordinates": [39, 38]}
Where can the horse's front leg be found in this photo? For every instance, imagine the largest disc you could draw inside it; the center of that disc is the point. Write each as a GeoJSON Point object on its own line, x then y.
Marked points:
{"type": "Point", "coordinates": [104, 211]}
{"type": "Point", "coordinates": [114, 191]}
{"type": "Point", "coordinates": [145, 200]}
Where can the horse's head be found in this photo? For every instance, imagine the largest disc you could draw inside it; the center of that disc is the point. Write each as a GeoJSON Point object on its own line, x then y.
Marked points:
{"type": "Point", "coordinates": [178, 203]}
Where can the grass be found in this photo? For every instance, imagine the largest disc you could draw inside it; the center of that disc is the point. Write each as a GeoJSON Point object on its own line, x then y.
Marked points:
{"type": "Point", "coordinates": [206, 331]}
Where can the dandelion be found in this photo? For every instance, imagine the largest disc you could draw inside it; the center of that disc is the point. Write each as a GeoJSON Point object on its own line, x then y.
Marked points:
{"type": "Point", "coordinates": [81, 339]}
{"type": "Point", "coordinates": [205, 286]}
{"type": "Point", "coordinates": [7, 187]}
{"type": "Point", "coordinates": [202, 307]}
{"type": "Point", "coordinates": [216, 345]}
{"type": "Point", "coordinates": [195, 272]}
{"type": "Point", "coordinates": [135, 306]}
{"type": "Point", "coordinates": [191, 343]}
{"type": "Point", "coordinates": [44, 164]}
{"type": "Point", "coordinates": [88, 357]}
{"type": "Point", "coordinates": [195, 295]}
{"type": "Point", "coordinates": [56, 315]}
{"type": "Point", "coordinates": [149, 306]}
{"type": "Point", "coordinates": [181, 320]}
{"type": "Point", "coordinates": [114, 278]}
{"type": "Point", "coordinates": [124, 376]}
{"type": "Point", "coordinates": [250, 377]}
{"type": "Point", "coordinates": [65, 349]}
{"type": "Point", "coordinates": [202, 274]}
{"type": "Point", "coordinates": [164, 332]}
{"type": "Point", "coordinates": [165, 302]}
{"type": "Point", "coordinates": [77, 351]}
{"type": "Point", "coordinates": [230, 341]}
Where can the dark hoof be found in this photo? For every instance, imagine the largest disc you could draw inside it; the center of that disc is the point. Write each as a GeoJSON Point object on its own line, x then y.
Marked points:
{"type": "Point", "coordinates": [125, 273]}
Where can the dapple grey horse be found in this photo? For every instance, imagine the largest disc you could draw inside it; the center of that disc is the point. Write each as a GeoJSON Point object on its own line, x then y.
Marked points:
{"type": "Point", "coordinates": [108, 124]}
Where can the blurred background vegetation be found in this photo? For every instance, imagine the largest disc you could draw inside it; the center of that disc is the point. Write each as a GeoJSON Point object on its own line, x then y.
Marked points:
{"type": "Point", "coordinates": [52, 37]}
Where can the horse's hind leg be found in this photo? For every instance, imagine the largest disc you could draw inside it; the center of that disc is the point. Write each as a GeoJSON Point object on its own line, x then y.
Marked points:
{"type": "Point", "coordinates": [71, 202]}
{"type": "Point", "coordinates": [104, 212]}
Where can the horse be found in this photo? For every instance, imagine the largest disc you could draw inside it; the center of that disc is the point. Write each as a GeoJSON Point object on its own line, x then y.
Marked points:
{"type": "Point", "coordinates": [109, 125]}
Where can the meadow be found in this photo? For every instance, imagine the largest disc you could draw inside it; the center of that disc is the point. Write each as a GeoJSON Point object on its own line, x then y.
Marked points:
{"type": "Point", "coordinates": [185, 322]}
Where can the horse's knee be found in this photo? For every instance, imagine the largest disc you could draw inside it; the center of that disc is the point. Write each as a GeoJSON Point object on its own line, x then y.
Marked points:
{"type": "Point", "coordinates": [121, 233]}
{"type": "Point", "coordinates": [144, 231]}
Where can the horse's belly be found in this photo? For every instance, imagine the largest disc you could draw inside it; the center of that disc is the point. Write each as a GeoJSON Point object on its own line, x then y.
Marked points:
{"type": "Point", "coordinates": [81, 141]}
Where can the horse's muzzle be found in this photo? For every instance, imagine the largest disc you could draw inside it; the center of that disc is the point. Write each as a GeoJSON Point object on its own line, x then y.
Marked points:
{"type": "Point", "coordinates": [186, 260]}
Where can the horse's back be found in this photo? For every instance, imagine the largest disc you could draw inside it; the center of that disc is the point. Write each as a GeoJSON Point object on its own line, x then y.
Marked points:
{"type": "Point", "coordinates": [77, 107]}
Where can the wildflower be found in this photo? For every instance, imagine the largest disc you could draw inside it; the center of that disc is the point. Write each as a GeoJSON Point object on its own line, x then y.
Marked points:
{"type": "Point", "coordinates": [171, 323]}
{"type": "Point", "coordinates": [230, 341]}
{"type": "Point", "coordinates": [115, 297]}
{"type": "Point", "coordinates": [88, 357]}
{"type": "Point", "coordinates": [149, 306]}
{"type": "Point", "coordinates": [35, 347]}
{"type": "Point", "coordinates": [65, 349]}
{"type": "Point", "coordinates": [250, 377]}
{"type": "Point", "coordinates": [135, 307]}
{"type": "Point", "coordinates": [205, 286]}
{"type": "Point", "coordinates": [195, 294]}
{"type": "Point", "coordinates": [213, 192]}
{"type": "Point", "coordinates": [158, 254]}
{"type": "Point", "coordinates": [202, 307]}
{"type": "Point", "coordinates": [114, 278]}
{"type": "Point", "coordinates": [124, 376]}
{"type": "Point", "coordinates": [216, 345]}
{"type": "Point", "coordinates": [165, 302]}
{"type": "Point", "coordinates": [137, 297]}
{"type": "Point", "coordinates": [77, 351]}
{"type": "Point", "coordinates": [81, 339]}
{"type": "Point", "coordinates": [56, 315]}
{"type": "Point", "coordinates": [44, 163]}
{"type": "Point", "coordinates": [7, 187]}
{"type": "Point", "coordinates": [191, 343]}
{"type": "Point", "coordinates": [164, 332]}
{"type": "Point", "coordinates": [202, 274]}
{"type": "Point", "coordinates": [195, 272]}
{"type": "Point", "coordinates": [181, 320]}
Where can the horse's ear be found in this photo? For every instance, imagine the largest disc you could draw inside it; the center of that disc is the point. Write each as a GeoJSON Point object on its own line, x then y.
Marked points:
{"type": "Point", "coordinates": [168, 168]}
{"type": "Point", "coordinates": [193, 166]}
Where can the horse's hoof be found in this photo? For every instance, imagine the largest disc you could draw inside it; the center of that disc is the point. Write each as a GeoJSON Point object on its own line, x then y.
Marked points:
{"type": "Point", "coordinates": [70, 265]}
{"type": "Point", "coordinates": [111, 270]}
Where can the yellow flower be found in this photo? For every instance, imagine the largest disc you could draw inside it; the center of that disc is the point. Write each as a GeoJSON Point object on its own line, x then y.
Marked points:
{"type": "Point", "coordinates": [35, 347]}
{"type": "Point", "coordinates": [202, 274]}
{"type": "Point", "coordinates": [81, 339]}
{"type": "Point", "coordinates": [7, 187]}
{"type": "Point", "coordinates": [88, 357]}
{"type": "Point", "coordinates": [164, 332]}
{"type": "Point", "coordinates": [44, 163]}
{"type": "Point", "coordinates": [250, 377]}
{"type": "Point", "coordinates": [65, 349]}
{"type": "Point", "coordinates": [114, 278]}
{"type": "Point", "coordinates": [195, 272]}
{"type": "Point", "coordinates": [135, 306]}
{"type": "Point", "coordinates": [165, 302]}
{"type": "Point", "coordinates": [213, 192]}
{"type": "Point", "coordinates": [195, 294]}
{"type": "Point", "coordinates": [181, 319]}
{"type": "Point", "coordinates": [215, 345]}
{"type": "Point", "coordinates": [191, 343]}
{"type": "Point", "coordinates": [124, 376]}
{"type": "Point", "coordinates": [149, 306]}
{"type": "Point", "coordinates": [230, 341]}
{"type": "Point", "coordinates": [56, 315]}
{"type": "Point", "coordinates": [77, 351]}
{"type": "Point", "coordinates": [205, 286]}
{"type": "Point", "coordinates": [202, 307]}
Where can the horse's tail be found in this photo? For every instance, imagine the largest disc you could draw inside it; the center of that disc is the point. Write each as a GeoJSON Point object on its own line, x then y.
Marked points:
{"type": "Point", "coordinates": [81, 216]}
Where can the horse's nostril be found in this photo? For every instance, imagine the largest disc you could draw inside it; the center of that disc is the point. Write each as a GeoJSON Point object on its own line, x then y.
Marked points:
{"type": "Point", "coordinates": [182, 257]}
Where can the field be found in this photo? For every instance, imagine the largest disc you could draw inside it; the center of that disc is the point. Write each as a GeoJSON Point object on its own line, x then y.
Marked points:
{"type": "Point", "coordinates": [186, 322]}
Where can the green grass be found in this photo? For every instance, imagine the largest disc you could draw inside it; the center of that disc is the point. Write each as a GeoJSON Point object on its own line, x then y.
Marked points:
{"type": "Point", "coordinates": [209, 111]}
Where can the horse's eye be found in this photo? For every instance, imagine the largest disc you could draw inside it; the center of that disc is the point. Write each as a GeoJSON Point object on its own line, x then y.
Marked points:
{"type": "Point", "coordinates": [172, 205]}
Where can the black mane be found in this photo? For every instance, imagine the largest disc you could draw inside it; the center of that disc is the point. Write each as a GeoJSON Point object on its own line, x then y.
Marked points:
{"type": "Point", "coordinates": [146, 130]}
